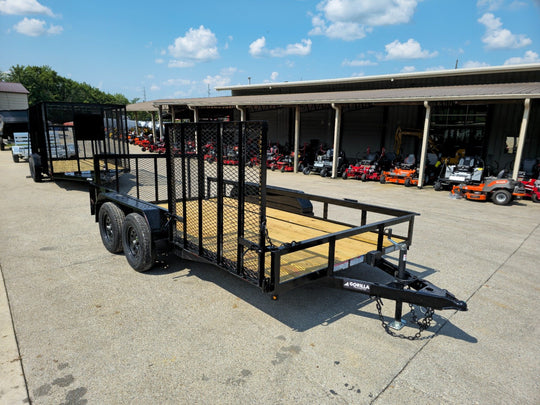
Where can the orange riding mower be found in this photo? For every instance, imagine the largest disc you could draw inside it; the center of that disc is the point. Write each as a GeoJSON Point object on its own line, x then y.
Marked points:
{"type": "Point", "coordinates": [501, 191]}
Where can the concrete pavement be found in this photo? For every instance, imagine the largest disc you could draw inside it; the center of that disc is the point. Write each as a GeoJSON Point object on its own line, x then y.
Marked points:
{"type": "Point", "coordinates": [91, 330]}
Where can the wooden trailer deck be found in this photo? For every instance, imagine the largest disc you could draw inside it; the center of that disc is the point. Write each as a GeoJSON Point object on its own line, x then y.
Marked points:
{"type": "Point", "coordinates": [283, 227]}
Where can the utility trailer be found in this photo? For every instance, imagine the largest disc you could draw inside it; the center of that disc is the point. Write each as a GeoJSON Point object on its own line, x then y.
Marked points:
{"type": "Point", "coordinates": [274, 238]}
{"type": "Point", "coordinates": [21, 146]}
{"type": "Point", "coordinates": [64, 137]}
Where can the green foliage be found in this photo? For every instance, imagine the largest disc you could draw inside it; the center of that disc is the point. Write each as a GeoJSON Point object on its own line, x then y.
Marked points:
{"type": "Point", "coordinates": [44, 84]}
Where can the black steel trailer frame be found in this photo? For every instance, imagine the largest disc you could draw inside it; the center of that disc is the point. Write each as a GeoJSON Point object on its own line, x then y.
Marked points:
{"type": "Point", "coordinates": [229, 217]}
{"type": "Point", "coordinates": [66, 136]}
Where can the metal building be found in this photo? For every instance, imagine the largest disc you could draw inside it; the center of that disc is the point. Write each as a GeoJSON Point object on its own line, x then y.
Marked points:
{"type": "Point", "coordinates": [491, 112]}
{"type": "Point", "coordinates": [13, 110]}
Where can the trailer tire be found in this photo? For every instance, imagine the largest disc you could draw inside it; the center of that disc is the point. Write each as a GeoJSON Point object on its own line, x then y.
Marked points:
{"type": "Point", "coordinates": [110, 219]}
{"type": "Point", "coordinates": [35, 168]}
{"type": "Point", "coordinates": [501, 197]}
{"type": "Point", "coordinates": [137, 242]}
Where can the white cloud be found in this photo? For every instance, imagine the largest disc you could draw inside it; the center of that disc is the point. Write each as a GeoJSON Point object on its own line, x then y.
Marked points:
{"type": "Point", "coordinates": [474, 64]}
{"type": "Point", "coordinates": [34, 27]}
{"type": "Point", "coordinates": [177, 82]}
{"type": "Point", "coordinates": [23, 7]}
{"type": "Point", "coordinates": [154, 87]}
{"type": "Point", "coordinates": [198, 45]}
{"type": "Point", "coordinates": [346, 31]}
{"type": "Point", "coordinates": [529, 57]}
{"type": "Point", "coordinates": [180, 64]}
{"type": "Point", "coordinates": [258, 48]}
{"type": "Point", "coordinates": [361, 62]}
{"type": "Point", "coordinates": [160, 61]}
{"type": "Point", "coordinates": [490, 5]}
{"type": "Point", "coordinates": [352, 19]}
{"type": "Point", "coordinates": [407, 50]}
{"type": "Point", "coordinates": [497, 37]}
{"type": "Point", "coordinates": [274, 76]}
{"type": "Point", "coordinates": [217, 81]}
{"type": "Point", "coordinates": [408, 69]}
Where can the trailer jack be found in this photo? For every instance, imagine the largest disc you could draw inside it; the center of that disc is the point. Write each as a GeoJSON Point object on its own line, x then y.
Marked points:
{"type": "Point", "coordinates": [404, 287]}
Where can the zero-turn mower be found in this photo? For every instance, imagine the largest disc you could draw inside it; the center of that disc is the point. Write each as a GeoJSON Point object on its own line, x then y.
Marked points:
{"type": "Point", "coordinates": [501, 191]}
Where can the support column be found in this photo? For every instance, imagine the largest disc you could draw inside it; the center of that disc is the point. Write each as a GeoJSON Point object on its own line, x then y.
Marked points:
{"type": "Point", "coordinates": [425, 136]}
{"type": "Point", "coordinates": [160, 122]}
{"type": "Point", "coordinates": [521, 139]}
{"type": "Point", "coordinates": [136, 123]}
{"type": "Point", "coordinates": [337, 133]}
{"type": "Point", "coordinates": [296, 136]}
{"type": "Point", "coordinates": [153, 115]}
{"type": "Point", "coordinates": [195, 113]}
{"type": "Point", "coordinates": [243, 115]}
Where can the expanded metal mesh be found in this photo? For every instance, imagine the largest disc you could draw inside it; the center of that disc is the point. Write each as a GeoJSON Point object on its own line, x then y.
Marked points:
{"type": "Point", "coordinates": [68, 135]}
{"type": "Point", "coordinates": [140, 176]}
{"type": "Point", "coordinates": [218, 191]}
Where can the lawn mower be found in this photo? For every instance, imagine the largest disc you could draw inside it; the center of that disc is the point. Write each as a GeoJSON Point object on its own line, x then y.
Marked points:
{"type": "Point", "coordinates": [402, 173]}
{"type": "Point", "coordinates": [323, 163]}
{"type": "Point", "coordinates": [501, 191]}
{"type": "Point", "coordinates": [469, 170]}
{"type": "Point", "coordinates": [532, 189]}
{"type": "Point", "coordinates": [365, 169]}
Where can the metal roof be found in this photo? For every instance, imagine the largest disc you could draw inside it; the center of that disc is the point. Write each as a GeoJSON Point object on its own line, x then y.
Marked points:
{"type": "Point", "coordinates": [420, 76]}
{"type": "Point", "coordinates": [6, 87]}
{"type": "Point", "coordinates": [144, 106]}
{"type": "Point", "coordinates": [487, 92]}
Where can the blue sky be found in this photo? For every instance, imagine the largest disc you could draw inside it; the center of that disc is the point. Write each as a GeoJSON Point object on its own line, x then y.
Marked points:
{"type": "Point", "coordinates": [181, 49]}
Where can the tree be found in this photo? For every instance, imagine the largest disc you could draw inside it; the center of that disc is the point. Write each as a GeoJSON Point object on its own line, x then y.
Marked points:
{"type": "Point", "coordinates": [44, 84]}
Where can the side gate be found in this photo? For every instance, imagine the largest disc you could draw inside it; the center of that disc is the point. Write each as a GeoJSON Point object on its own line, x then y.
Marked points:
{"type": "Point", "coordinates": [217, 183]}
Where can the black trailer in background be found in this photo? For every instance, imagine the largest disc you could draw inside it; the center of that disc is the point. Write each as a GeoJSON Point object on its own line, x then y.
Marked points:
{"type": "Point", "coordinates": [209, 210]}
{"type": "Point", "coordinates": [66, 136]}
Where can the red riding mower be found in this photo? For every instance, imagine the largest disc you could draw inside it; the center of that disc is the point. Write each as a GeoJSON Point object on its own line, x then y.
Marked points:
{"type": "Point", "coordinates": [532, 189]}
{"type": "Point", "coordinates": [365, 169]}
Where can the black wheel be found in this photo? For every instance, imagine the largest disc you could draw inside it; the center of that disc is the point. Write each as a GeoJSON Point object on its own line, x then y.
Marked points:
{"type": "Point", "coordinates": [383, 179]}
{"type": "Point", "coordinates": [301, 167]}
{"type": "Point", "coordinates": [407, 182]}
{"type": "Point", "coordinates": [110, 219]}
{"type": "Point", "coordinates": [437, 186]}
{"type": "Point", "coordinates": [501, 197]}
{"type": "Point", "coordinates": [137, 242]}
{"type": "Point", "coordinates": [273, 167]}
{"type": "Point", "coordinates": [282, 169]}
{"type": "Point", "coordinates": [345, 176]}
{"type": "Point", "coordinates": [306, 171]}
{"type": "Point", "coordinates": [534, 197]}
{"type": "Point", "coordinates": [324, 172]}
{"type": "Point", "coordinates": [363, 177]}
{"type": "Point", "coordinates": [16, 158]}
{"type": "Point", "coordinates": [35, 168]}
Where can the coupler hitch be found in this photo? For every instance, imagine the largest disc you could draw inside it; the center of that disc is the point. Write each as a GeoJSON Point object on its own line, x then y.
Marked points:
{"type": "Point", "coordinates": [404, 287]}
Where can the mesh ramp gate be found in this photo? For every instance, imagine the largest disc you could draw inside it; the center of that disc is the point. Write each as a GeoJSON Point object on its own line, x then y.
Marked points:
{"type": "Point", "coordinates": [217, 185]}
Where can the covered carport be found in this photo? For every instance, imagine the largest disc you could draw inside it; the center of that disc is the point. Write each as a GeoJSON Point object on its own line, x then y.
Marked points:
{"type": "Point", "coordinates": [526, 95]}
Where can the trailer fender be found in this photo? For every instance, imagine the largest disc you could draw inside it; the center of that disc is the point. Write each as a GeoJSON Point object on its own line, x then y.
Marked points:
{"type": "Point", "coordinates": [153, 214]}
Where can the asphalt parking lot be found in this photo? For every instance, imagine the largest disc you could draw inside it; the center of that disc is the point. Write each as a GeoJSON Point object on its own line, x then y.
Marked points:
{"type": "Point", "coordinates": [78, 325]}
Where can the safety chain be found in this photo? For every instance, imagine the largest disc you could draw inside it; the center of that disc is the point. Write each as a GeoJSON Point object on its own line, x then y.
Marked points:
{"type": "Point", "coordinates": [423, 324]}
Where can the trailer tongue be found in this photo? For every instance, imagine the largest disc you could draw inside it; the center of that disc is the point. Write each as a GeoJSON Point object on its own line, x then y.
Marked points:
{"type": "Point", "coordinates": [274, 238]}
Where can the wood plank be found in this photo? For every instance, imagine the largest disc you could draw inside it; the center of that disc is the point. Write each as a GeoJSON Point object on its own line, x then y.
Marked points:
{"type": "Point", "coordinates": [283, 227]}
